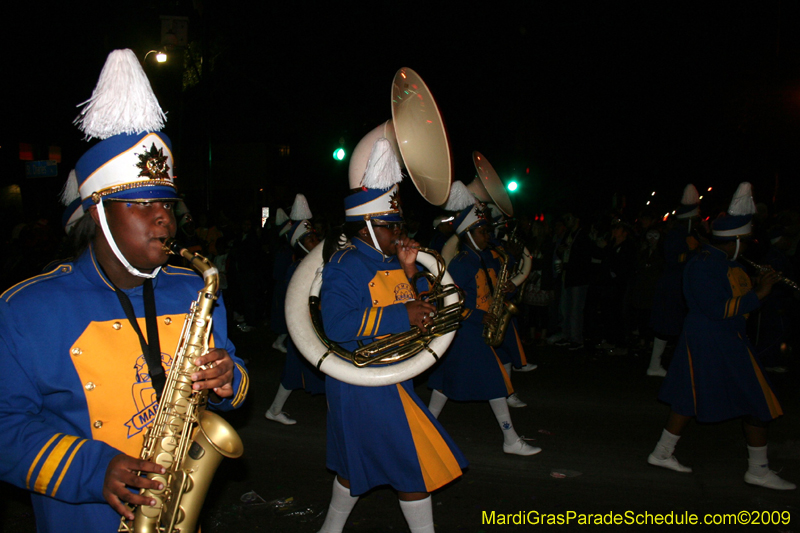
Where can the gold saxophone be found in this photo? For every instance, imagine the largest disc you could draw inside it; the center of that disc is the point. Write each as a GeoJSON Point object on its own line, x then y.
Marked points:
{"type": "Point", "coordinates": [185, 438]}
{"type": "Point", "coordinates": [495, 331]}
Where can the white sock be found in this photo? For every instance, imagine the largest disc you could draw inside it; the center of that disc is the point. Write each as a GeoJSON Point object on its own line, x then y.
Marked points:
{"type": "Point", "coordinates": [500, 410]}
{"type": "Point", "coordinates": [757, 461]}
{"type": "Point", "coordinates": [419, 515]}
{"type": "Point", "coordinates": [339, 509]}
{"type": "Point", "coordinates": [437, 402]}
{"type": "Point", "coordinates": [658, 350]}
{"type": "Point", "coordinates": [280, 399]}
{"type": "Point", "coordinates": [666, 445]}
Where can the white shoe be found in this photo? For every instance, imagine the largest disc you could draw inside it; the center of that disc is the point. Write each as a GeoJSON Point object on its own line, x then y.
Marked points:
{"type": "Point", "coordinates": [770, 481]}
{"type": "Point", "coordinates": [526, 368]}
{"type": "Point", "coordinates": [521, 448]}
{"type": "Point", "coordinates": [280, 417]}
{"type": "Point", "coordinates": [514, 401]}
{"type": "Point", "coordinates": [279, 346]}
{"type": "Point", "coordinates": [659, 371]}
{"type": "Point", "coordinates": [670, 463]}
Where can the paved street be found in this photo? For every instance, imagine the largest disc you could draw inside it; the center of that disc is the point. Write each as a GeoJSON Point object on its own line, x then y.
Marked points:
{"type": "Point", "coordinates": [595, 416]}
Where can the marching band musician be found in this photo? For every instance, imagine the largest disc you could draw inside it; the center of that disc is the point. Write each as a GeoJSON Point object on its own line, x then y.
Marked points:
{"type": "Point", "coordinates": [82, 393]}
{"type": "Point", "coordinates": [297, 371]}
{"type": "Point", "coordinates": [379, 435]}
{"type": "Point", "coordinates": [283, 257]}
{"type": "Point", "coordinates": [472, 370]}
{"type": "Point", "coordinates": [714, 375]}
{"type": "Point", "coordinates": [511, 351]}
{"type": "Point", "coordinates": [669, 307]}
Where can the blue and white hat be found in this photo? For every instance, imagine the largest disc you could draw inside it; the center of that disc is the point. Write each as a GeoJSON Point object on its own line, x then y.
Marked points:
{"type": "Point", "coordinates": [472, 213]}
{"type": "Point", "coordinates": [133, 161]}
{"type": "Point", "coordinates": [690, 203]}
{"type": "Point", "coordinates": [379, 197]}
{"type": "Point", "coordinates": [300, 222]}
{"type": "Point", "coordinates": [737, 222]}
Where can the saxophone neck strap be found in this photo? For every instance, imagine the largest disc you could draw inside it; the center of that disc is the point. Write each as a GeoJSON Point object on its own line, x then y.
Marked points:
{"type": "Point", "coordinates": [486, 272]}
{"type": "Point", "coordinates": [152, 350]}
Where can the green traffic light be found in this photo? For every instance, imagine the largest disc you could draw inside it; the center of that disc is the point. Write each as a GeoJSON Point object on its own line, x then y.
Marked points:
{"type": "Point", "coordinates": [339, 154]}
{"type": "Point", "coordinates": [512, 186]}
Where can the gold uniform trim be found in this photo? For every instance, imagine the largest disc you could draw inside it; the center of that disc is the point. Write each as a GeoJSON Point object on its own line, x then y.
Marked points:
{"type": "Point", "coordinates": [244, 386]}
{"type": "Point", "coordinates": [51, 464]}
{"type": "Point", "coordinates": [36, 459]}
{"type": "Point", "coordinates": [66, 466]}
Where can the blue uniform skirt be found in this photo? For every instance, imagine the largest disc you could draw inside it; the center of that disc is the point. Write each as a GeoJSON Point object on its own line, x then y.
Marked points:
{"type": "Point", "coordinates": [511, 351]}
{"type": "Point", "coordinates": [471, 370]}
{"type": "Point", "coordinates": [386, 436]}
{"type": "Point", "coordinates": [715, 376]}
{"type": "Point", "coordinates": [298, 373]}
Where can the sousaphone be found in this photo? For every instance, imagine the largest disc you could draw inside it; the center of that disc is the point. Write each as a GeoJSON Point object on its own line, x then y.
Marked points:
{"type": "Point", "coordinates": [418, 137]}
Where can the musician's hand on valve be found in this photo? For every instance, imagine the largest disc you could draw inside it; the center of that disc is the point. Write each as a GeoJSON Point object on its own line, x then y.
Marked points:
{"type": "Point", "coordinates": [488, 319]}
{"type": "Point", "coordinates": [218, 375]}
{"type": "Point", "coordinates": [420, 313]}
{"type": "Point", "coordinates": [123, 472]}
{"type": "Point", "coordinates": [766, 280]}
{"type": "Point", "coordinates": [509, 287]}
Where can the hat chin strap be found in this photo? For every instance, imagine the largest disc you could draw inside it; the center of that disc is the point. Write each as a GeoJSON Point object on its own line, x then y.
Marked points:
{"type": "Point", "coordinates": [374, 240]}
{"type": "Point", "coordinates": [110, 239]}
{"type": "Point", "coordinates": [736, 254]}
{"type": "Point", "coordinates": [469, 234]}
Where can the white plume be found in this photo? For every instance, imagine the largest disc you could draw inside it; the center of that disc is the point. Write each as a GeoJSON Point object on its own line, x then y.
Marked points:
{"type": "Point", "coordinates": [280, 217]}
{"type": "Point", "coordinates": [743, 203]}
{"type": "Point", "coordinates": [690, 196]}
{"type": "Point", "coordinates": [122, 101]}
{"type": "Point", "coordinates": [460, 197]}
{"type": "Point", "coordinates": [383, 170]}
{"type": "Point", "coordinates": [70, 193]}
{"type": "Point", "coordinates": [300, 209]}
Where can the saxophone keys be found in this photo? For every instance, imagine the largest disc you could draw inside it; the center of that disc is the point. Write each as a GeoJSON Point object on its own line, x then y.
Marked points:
{"type": "Point", "coordinates": [165, 459]}
{"type": "Point", "coordinates": [154, 511]}
{"type": "Point", "coordinates": [161, 479]}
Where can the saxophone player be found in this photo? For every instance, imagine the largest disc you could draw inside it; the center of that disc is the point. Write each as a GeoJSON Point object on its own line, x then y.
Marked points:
{"type": "Point", "coordinates": [89, 342]}
{"type": "Point", "coordinates": [472, 370]}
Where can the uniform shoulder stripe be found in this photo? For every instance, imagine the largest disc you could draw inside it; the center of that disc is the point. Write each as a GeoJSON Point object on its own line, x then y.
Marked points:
{"type": "Point", "coordinates": [62, 269]}
{"type": "Point", "coordinates": [337, 257]}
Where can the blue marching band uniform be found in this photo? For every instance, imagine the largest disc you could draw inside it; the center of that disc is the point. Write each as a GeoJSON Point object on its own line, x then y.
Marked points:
{"type": "Point", "coordinates": [714, 373]}
{"type": "Point", "coordinates": [81, 392]}
{"type": "Point", "coordinates": [473, 370]}
{"type": "Point", "coordinates": [378, 435]}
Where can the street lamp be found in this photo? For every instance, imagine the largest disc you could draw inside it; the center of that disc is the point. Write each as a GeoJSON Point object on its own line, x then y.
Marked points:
{"type": "Point", "coordinates": [161, 57]}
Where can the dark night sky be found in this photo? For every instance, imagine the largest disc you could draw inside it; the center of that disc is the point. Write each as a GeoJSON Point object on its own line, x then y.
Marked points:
{"type": "Point", "coordinates": [592, 97]}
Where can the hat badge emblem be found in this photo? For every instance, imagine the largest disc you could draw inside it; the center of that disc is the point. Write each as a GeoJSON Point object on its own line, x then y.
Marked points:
{"type": "Point", "coordinates": [153, 164]}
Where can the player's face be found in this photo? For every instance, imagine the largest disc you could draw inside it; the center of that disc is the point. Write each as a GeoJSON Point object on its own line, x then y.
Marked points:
{"type": "Point", "coordinates": [139, 230]}
{"type": "Point", "coordinates": [481, 237]}
{"type": "Point", "coordinates": [387, 234]}
{"type": "Point", "coordinates": [310, 241]}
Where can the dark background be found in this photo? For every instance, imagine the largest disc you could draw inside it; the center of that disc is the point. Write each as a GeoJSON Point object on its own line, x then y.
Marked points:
{"type": "Point", "coordinates": [578, 100]}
